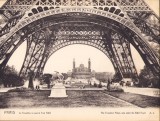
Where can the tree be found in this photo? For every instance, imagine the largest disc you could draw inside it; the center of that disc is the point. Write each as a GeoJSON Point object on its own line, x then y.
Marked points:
{"type": "Point", "coordinates": [47, 79]}
{"type": "Point", "coordinates": [147, 78]}
{"type": "Point", "coordinates": [103, 76]}
{"type": "Point", "coordinates": [9, 77]}
{"type": "Point", "coordinates": [65, 76]}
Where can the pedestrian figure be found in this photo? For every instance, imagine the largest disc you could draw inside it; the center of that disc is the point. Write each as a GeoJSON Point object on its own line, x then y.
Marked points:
{"type": "Point", "coordinates": [38, 87]}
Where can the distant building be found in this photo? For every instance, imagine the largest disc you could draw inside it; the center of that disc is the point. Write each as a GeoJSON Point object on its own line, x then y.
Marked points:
{"type": "Point", "coordinates": [81, 72]}
{"type": "Point", "coordinates": [93, 73]}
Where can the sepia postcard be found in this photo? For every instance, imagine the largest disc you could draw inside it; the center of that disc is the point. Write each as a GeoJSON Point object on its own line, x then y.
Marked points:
{"type": "Point", "coordinates": [79, 60]}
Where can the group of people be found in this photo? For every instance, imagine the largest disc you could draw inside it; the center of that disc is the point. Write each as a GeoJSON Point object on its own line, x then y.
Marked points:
{"type": "Point", "coordinates": [37, 87]}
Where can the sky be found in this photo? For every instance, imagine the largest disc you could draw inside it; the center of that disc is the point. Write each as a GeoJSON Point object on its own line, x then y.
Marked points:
{"type": "Point", "coordinates": [62, 59]}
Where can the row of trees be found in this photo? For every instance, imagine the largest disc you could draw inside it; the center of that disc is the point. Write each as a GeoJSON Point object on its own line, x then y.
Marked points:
{"type": "Point", "coordinates": [9, 77]}
{"type": "Point", "coordinates": [104, 76]}
{"type": "Point", "coordinates": [148, 79]}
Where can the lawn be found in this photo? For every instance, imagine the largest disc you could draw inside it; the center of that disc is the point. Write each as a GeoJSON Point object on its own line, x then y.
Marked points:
{"type": "Point", "coordinates": [136, 99]}
{"type": "Point", "coordinates": [76, 98]}
{"type": "Point", "coordinates": [79, 98]}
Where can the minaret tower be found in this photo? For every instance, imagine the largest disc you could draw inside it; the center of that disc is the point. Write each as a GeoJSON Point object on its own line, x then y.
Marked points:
{"type": "Point", "coordinates": [74, 64]}
{"type": "Point", "coordinates": [89, 65]}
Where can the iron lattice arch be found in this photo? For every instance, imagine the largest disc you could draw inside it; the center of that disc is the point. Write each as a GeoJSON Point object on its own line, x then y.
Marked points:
{"type": "Point", "coordinates": [108, 25]}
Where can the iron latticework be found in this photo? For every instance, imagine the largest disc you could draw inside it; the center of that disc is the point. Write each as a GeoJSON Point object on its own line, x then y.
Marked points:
{"type": "Point", "coordinates": [108, 25]}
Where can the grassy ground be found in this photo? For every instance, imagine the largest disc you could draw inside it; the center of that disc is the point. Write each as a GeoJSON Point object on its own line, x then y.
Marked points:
{"type": "Point", "coordinates": [78, 98]}
{"type": "Point", "coordinates": [32, 99]}
{"type": "Point", "coordinates": [137, 99]}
